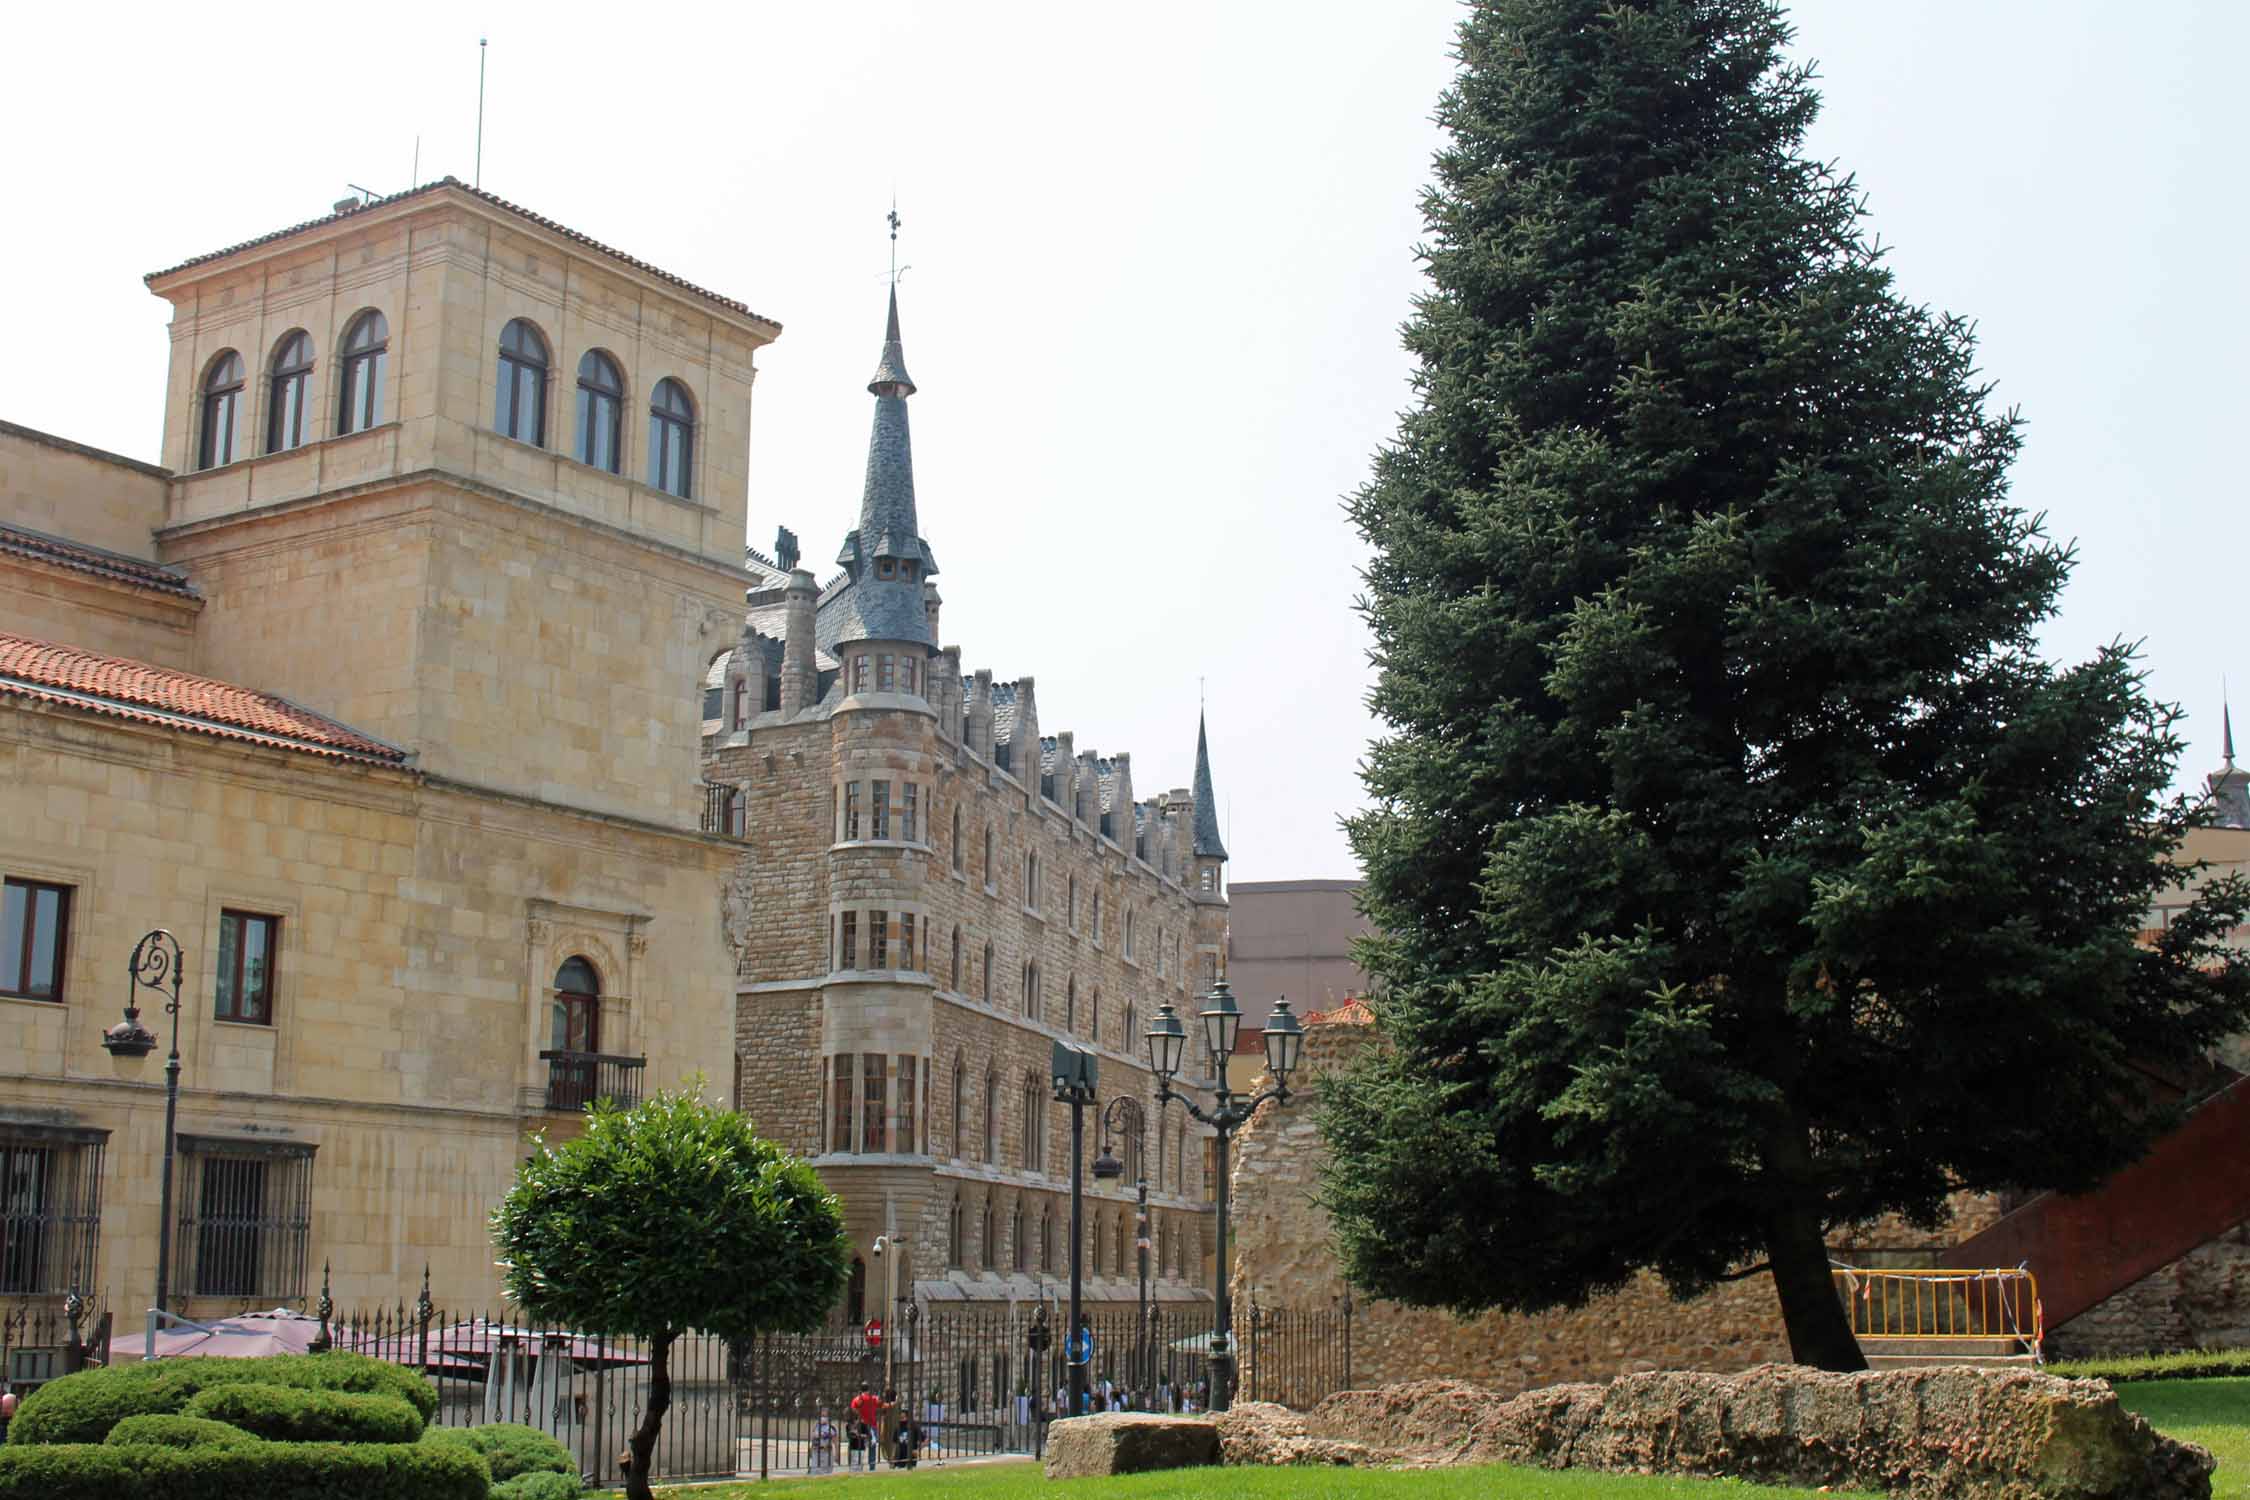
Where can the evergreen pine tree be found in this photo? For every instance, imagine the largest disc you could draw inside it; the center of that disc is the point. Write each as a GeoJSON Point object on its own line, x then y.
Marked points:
{"type": "Point", "coordinates": [1741, 868]}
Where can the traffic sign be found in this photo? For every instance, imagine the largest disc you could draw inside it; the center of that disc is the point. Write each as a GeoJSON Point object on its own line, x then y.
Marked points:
{"type": "Point", "coordinates": [874, 1333]}
{"type": "Point", "coordinates": [1080, 1347]}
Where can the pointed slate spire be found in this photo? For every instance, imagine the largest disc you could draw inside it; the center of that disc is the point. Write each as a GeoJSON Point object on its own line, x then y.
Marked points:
{"type": "Point", "coordinates": [885, 553]}
{"type": "Point", "coordinates": [891, 378]}
{"type": "Point", "coordinates": [2229, 785]}
{"type": "Point", "coordinates": [1207, 841]}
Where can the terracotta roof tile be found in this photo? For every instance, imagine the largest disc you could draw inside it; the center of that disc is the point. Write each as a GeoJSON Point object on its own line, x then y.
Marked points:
{"type": "Point", "coordinates": [149, 694]}
{"type": "Point", "coordinates": [497, 202]}
{"type": "Point", "coordinates": [1353, 1012]}
{"type": "Point", "coordinates": [16, 541]}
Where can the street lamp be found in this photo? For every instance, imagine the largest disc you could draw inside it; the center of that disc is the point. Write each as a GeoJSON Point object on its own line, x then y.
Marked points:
{"type": "Point", "coordinates": [1074, 1071]}
{"type": "Point", "coordinates": [1222, 1023]}
{"type": "Point", "coordinates": [155, 966]}
{"type": "Point", "coordinates": [1108, 1168]}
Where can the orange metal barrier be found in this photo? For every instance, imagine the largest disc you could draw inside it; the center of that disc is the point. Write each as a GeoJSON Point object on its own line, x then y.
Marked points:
{"type": "Point", "coordinates": [1943, 1304]}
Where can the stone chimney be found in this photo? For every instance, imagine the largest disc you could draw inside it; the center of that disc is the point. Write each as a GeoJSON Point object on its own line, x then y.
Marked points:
{"type": "Point", "coordinates": [800, 673]}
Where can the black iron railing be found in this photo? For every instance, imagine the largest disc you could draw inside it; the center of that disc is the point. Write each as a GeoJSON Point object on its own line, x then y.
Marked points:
{"type": "Point", "coordinates": [724, 810]}
{"type": "Point", "coordinates": [971, 1378]}
{"type": "Point", "coordinates": [577, 1079]}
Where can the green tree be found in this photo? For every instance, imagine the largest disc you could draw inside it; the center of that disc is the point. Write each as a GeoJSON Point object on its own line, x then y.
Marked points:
{"type": "Point", "coordinates": [670, 1216]}
{"type": "Point", "coordinates": [1742, 870]}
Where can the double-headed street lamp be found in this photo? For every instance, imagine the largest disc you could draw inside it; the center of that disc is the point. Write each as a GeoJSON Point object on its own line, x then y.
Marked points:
{"type": "Point", "coordinates": [1075, 1072]}
{"type": "Point", "coordinates": [156, 966]}
{"type": "Point", "coordinates": [1108, 1168]}
{"type": "Point", "coordinates": [1167, 1041]}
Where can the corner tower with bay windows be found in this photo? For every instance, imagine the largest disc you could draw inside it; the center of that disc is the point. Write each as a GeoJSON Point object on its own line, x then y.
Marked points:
{"type": "Point", "coordinates": [930, 893]}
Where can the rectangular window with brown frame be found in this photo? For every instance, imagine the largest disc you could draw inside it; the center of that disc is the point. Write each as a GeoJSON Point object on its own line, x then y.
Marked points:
{"type": "Point", "coordinates": [248, 942]}
{"type": "Point", "coordinates": [872, 1104]}
{"type": "Point", "coordinates": [878, 940]}
{"type": "Point", "coordinates": [847, 953]}
{"type": "Point", "coordinates": [851, 810]}
{"type": "Point", "coordinates": [245, 1226]}
{"type": "Point", "coordinates": [906, 941]}
{"type": "Point", "coordinates": [909, 812]}
{"type": "Point", "coordinates": [840, 1128]}
{"type": "Point", "coordinates": [882, 815]}
{"type": "Point", "coordinates": [904, 1137]}
{"type": "Point", "coordinates": [34, 938]}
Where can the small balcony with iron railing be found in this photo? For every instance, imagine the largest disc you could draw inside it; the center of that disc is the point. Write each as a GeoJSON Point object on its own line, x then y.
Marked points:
{"type": "Point", "coordinates": [577, 1079]}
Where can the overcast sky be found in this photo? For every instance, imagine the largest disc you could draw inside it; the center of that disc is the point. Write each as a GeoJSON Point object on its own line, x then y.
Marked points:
{"type": "Point", "coordinates": [1160, 255]}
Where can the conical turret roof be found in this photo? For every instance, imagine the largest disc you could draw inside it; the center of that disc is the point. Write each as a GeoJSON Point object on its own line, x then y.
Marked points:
{"type": "Point", "coordinates": [879, 607]}
{"type": "Point", "coordinates": [1207, 841]}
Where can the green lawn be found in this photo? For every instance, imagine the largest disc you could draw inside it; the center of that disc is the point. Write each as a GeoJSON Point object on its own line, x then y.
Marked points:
{"type": "Point", "coordinates": [2215, 1413]}
{"type": "Point", "coordinates": [1023, 1481]}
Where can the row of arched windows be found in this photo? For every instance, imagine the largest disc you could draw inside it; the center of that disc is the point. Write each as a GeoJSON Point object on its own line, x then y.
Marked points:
{"type": "Point", "coordinates": [519, 412]}
{"type": "Point", "coordinates": [359, 406]}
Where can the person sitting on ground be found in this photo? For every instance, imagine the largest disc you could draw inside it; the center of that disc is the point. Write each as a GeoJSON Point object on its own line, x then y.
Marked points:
{"type": "Point", "coordinates": [823, 1444]}
{"type": "Point", "coordinates": [909, 1446]}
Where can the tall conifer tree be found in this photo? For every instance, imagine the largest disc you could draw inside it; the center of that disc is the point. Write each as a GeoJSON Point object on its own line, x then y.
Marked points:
{"type": "Point", "coordinates": [1743, 870]}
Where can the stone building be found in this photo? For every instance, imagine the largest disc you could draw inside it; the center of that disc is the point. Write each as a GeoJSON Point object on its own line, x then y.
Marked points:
{"type": "Point", "coordinates": [385, 693]}
{"type": "Point", "coordinates": [932, 890]}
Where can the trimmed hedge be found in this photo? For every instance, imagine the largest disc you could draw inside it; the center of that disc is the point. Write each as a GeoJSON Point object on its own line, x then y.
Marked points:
{"type": "Point", "coordinates": [177, 1432]}
{"type": "Point", "coordinates": [510, 1449]}
{"type": "Point", "coordinates": [538, 1486]}
{"type": "Point", "coordinates": [265, 1471]}
{"type": "Point", "coordinates": [82, 1408]}
{"type": "Point", "coordinates": [2189, 1364]}
{"type": "Point", "coordinates": [289, 1415]}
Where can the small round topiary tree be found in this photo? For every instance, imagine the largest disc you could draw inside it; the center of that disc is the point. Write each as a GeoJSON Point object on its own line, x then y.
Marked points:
{"type": "Point", "coordinates": [671, 1216]}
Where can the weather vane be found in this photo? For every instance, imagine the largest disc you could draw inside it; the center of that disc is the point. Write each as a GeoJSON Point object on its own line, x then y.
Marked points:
{"type": "Point", "coordinates": [897, 270]}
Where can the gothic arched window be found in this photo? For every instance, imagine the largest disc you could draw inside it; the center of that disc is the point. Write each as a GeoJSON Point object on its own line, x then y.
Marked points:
{"type": "Point", "coordinates": [366, 360]}
{"type": "Point", "coordinates": [289, 379]}
{"type": "Point", "coordinates": [671, 438]}
{"type": "Point", "coordinates": [601, 412]}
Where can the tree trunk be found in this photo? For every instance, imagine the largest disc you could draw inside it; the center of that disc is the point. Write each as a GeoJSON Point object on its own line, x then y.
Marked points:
{"type": "Point", "coordinates": [1820, 1333]}
{"type": "Point", "coordinates": [643, 1445]}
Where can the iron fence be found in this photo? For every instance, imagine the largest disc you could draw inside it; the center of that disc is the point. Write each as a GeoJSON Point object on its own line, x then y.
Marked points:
{"type": "Point", "coordinates": [46, 1337]}
{"type": "Point", "coordinates": [972, 1380]}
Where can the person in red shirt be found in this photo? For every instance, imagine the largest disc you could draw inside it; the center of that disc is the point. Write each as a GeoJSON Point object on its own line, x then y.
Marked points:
{"type": "Point", "coordinates": [868, 1407]}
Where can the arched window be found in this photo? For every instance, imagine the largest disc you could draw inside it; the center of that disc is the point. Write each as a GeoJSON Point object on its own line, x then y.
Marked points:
{"type": "Point", "coordinates": [575, 1017]}
{"type": "Point", "coordinates": [1136, 1159]}
{"type": "Point", "coordinates": [1130, 1041]}
{"type": "Point", "coordinates": [1163, 1248]}
{"type": "Point", "coordinates": [953, 1227]}
{"type": "Point", "coordinates": [222, 404]}
{"type": "Point", "coordinates": [986, 977]}
{"type": "Point", "coordinates": [671, 438]}
{"type": "Point", "coordinates": [1128, 934]}
{"type": "Point", "coordinates": [1163, 1138]}
{"type": "Point", "coordinates": [1117, 1244]}
{"type": "Point", "coordinates": [1031, 881]}
{"type": "Point", "coordinates": [1070, 1003]}
{"type": "Point", "coordinates": [601, 412]}
{"type": "Point", "coordinates": [367, 358]}
{"type": "Point", "coordinates": [988, 855]}
{"type": "Point", "coordinates": [989, 1244]}
{"type": "Point", "coordinates": [957, 852]}
{"type": "Point", "coordinates": [991, 1117]}
{"type": "Point", "coordinates": [1070, 905]}
{"type": "Point", "coordinates": [1019, 1247]}
{"type": "Point", "coordinates": [1034, 1125]}
{"type": "Point", "coordinates": [1097, 916]}
{"type": "Point", "coordinates": [1094, 1244]}
{"type": "Point", "coordinates": [289, 382]}
{"type": "Point", "coordinates": [1179, 1167]}
{"type": "Point", "coordinates": [1094, 1018]}
{"type": "Point", "coordinates": [520, 406]}
{"type": "Point", "coordinates": [1031, 990]}
{"type": "Point", "coordinates": [954, 1116]}
{"type": "Point", "coordinates": [954, 983]}
{"type": "Point", "coordinates": [1047, 1240]}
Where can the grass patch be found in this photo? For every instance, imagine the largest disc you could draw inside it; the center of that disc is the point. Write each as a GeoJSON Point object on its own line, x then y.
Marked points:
{"type": "Point", "coordinates": [1024, 1481]}
{"type": "Point", "coordinates": [2213, 1412]}
{"type": "Point", "coordinates": [2191, 1364]}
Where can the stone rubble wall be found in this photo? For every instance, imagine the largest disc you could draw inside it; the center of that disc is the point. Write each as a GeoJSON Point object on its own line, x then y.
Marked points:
{"type": "Point", "coordinates": [1928, 1434]}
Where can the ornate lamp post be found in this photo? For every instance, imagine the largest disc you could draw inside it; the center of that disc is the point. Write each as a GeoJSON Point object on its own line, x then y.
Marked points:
{"type": "Point", "coordinates": [156, 966]}
{"type": "Point", "coordinates": [1108, 1168]}
{"type": "Point", "coordinates": [1074, 1073]}
{"type": "Point", "coordinates": [1167, 1040]}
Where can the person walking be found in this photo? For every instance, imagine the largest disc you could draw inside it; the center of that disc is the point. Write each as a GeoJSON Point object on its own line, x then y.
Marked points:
{"type": "Point", "coordinates": [867, 1408]}
{"type": "Point", "coordinates": [823, 1444]}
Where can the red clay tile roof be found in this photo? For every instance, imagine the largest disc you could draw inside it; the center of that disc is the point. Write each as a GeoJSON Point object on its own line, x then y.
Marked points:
{"type": "Point", "coordinates": [17, 541]}
{"type": "Point", "coordinates": [149, 694]}
{"type": "Point", "coordinates": [1353, 1012]}
{"type": "Point", "coordinates": [497, 202]}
